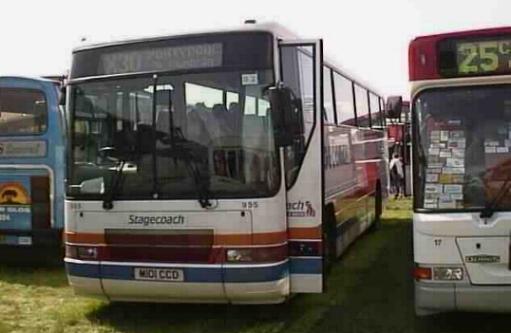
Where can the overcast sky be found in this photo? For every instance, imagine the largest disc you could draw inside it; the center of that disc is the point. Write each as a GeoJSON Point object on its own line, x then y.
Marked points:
{"type": "Point", "coordinates": [367, 37]}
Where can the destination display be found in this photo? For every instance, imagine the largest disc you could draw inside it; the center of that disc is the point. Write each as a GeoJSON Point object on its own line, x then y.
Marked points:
{"type": "Point", "coordinates": [247, 51]}
{"type": "Point", "coordinates": [162, 59]}
{"type": "Point", "coordinates": [474, 57]}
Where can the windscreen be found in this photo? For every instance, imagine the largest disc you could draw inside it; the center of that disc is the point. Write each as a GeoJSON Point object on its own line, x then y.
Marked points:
{"type": "Point", "coordinates": [462, 150]}
{"type": "Point", "coordinates": [22, 112]}
{"type": "Point", "coordinates": [175, 134]}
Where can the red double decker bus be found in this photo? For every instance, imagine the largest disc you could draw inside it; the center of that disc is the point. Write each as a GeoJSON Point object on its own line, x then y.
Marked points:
{"type": "Point", "coordinates": [461, 117]}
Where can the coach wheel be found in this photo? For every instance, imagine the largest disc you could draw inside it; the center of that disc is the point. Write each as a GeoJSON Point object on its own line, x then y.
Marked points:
{"type": "Point", "coordinates": [378, 207]}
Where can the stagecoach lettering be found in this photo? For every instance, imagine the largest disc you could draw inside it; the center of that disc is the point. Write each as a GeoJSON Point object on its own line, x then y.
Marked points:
{"type": "Point", "coordinates": [163, 219]}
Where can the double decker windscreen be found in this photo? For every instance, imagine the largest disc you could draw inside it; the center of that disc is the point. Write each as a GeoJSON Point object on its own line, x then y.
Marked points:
{"type": "Point", "coordinates": [187, 115]}
{"type": "Point", "coordinates": [462, 150]}
{"type": "Point", "coordinates": [475, 56]}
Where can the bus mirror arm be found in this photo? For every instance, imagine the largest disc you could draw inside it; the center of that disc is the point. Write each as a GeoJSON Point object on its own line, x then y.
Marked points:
{"type": "Point", "coordinates": [284, 112]}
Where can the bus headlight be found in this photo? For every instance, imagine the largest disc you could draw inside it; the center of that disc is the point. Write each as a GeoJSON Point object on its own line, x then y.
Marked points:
{"type": "Point", "coordinates": [81, 252]}
{"type": "Point", "coordinates": [448, 273]}
{"type": "Point", "coordinates": [239, 255]}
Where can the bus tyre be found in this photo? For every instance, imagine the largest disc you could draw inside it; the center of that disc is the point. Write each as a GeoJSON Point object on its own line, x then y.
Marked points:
{"type": "Point", "coordinates": [329, 237]}
{"type": "Point", "coordinates": [378, 207]}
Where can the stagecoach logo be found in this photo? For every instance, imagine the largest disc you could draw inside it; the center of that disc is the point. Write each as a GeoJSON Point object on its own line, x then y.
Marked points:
{"type": "Point", "coordinates": [300, 209]}
{"type": "Point", "coordinates": [482, 259]}
{"type": "Point", "coordinates": [157, 220]}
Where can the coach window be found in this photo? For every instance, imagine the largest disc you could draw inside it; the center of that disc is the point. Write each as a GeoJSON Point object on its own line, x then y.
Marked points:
{"type": "Point", "coordinates": [362, 103]}
{"type": "Point", "coordinates": [344, 100]}
{"type": "Point", "coordinates": [298, 74]}
{"type": "Point", "coordinates": [382, 111]}
{"type": "Point", "coordinates": [328, 104]}
{"type": "Point", "coordinates": [374, 103]}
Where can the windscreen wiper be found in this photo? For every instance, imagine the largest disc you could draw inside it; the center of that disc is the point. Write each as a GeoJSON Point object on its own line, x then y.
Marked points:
{"type": "Point", "coordinates": [489, 209]}
{"type": "Point", "coordinates": [116, 183]}
{"type": "Point", "coordinates": [185, 154]}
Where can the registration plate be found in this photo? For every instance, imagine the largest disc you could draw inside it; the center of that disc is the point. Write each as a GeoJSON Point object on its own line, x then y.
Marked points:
{"type": "Point", "coordinates": [159, 274]}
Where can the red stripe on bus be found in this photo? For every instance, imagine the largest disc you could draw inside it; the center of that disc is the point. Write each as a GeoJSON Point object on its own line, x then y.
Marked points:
{"type": "Point", "coordinates": [183, 254]}
{"type": "Point", "coordinates": [266, 238]}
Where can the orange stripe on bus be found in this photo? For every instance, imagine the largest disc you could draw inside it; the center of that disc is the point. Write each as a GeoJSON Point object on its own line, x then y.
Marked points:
{"type": "Point", "coordinates": [305, 233]}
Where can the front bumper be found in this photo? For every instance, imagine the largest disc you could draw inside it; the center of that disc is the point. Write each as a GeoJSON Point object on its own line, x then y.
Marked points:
{"type": "Point", "coordinates": [261, 284]}
{"type": "Point", "coordinates": [433, 298]}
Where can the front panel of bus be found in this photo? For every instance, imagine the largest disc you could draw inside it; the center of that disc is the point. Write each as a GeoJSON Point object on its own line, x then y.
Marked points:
{"type": "Point", "coordinates": [462, 154]}
{"type": "Point", "coordinates": [174, 187]}
{"type": "Point", "coordinates": [31, 171]}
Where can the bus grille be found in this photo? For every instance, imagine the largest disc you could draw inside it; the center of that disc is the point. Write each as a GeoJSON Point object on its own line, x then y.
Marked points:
{"type": "Point", "coordinates": [181, 246]}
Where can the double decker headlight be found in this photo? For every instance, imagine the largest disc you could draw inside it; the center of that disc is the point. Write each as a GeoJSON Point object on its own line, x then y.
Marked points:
{"type": "Point", "coordinates": [448, 273]}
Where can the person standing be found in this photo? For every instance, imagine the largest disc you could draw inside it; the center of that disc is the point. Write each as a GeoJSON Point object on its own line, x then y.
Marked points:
{"type": "Point", "coordinates": [396, 176]}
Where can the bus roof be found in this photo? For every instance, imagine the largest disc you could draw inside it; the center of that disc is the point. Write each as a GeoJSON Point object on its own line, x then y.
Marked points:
{"type": "Point", "coordinates": [465, 33]}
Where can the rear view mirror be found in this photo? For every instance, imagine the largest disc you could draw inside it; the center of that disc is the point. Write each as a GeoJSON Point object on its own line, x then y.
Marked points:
{"type": "Point", "coordinates": [286, 116]}
{"type": "Point", "coordinates": [394, 106]}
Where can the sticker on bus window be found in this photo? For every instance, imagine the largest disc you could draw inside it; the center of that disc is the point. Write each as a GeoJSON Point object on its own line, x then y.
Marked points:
{"type": "Point", "coordinates": [453, 189]}
{"type": "Point", "coordinates": [433, 188]}
{"type": "Point", "coordinates": [249, 79]}
{"type": "Point", "coordinates": [432, 177]}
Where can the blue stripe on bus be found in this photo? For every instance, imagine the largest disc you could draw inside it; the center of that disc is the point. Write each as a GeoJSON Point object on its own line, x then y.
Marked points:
{"type": "Point", "coordinates": [306, 265]}
{"type": "Point", "coordinates": [83, 270]}
{"type": "Point", "coordinates": [192, 274]}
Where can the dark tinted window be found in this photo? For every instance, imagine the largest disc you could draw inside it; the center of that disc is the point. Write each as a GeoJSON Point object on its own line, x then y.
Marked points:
{"type": "Point", "coordinates": [22, 111]}
{"type": "Point", "coordinates": [463, 147]}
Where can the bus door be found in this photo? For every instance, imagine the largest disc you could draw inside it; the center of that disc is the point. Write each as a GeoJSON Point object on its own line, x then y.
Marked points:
{"type": "Point", "coordinates": [301, 70]}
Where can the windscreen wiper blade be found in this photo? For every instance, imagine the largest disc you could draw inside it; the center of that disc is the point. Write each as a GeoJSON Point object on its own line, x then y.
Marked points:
{"type": "Point", "coordinates": [201, 183]}
{"type": "Point", "coordinates": [116, 183]}
{"type": "Point", "coordinates": [489, 209]}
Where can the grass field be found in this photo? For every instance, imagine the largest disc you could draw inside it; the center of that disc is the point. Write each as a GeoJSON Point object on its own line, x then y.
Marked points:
{"type": "Point", "coordinates": [369, 290]}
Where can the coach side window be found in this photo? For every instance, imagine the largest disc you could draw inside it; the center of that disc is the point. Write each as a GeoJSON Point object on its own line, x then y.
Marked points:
{"type": "Point", "coordinates": [376, 120]}
{"type": "Point", "coordinates": [382, 111]}
{"type": "Point", "coordinates": [344, 100]}
{"type": "Point", "coordinates": [328, 104]}
{"type": "Point", "coordinates": [298, 75]}
{"type": "Point", "coordinates": [362, 103]}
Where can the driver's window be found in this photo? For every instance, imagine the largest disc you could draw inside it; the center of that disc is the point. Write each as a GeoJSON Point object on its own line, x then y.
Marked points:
{"type": "Point", "coordinates": [298, 75]}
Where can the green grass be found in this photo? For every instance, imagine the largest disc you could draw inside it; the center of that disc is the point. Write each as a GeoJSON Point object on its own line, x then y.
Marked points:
{"type": "Point", "coordinates": [369, 290]}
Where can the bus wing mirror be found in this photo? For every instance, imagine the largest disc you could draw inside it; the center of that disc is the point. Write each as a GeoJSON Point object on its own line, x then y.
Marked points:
{"type": "Point", "coordinates": [394, 106]}
{"type": "Point", "coordinates": [283, 115]}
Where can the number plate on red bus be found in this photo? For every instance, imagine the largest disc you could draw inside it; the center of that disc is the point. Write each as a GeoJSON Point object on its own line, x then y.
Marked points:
{"type": "Point", "coordinates": [159, 274]}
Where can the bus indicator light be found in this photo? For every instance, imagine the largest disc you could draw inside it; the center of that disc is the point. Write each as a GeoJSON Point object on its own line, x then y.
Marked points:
{"type": "Point", "coordinates": [422, 273]}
